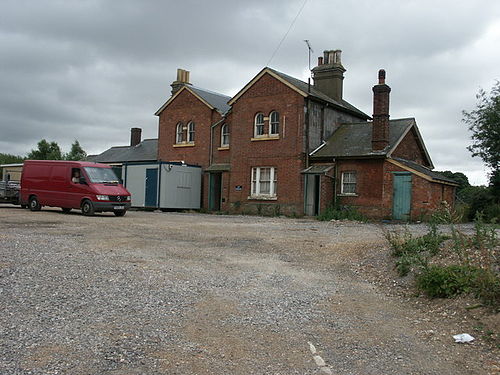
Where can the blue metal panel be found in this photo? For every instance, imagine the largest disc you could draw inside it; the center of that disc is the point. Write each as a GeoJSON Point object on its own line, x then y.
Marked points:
{"type": "Point", "coordinates": [401, 196]}
{"type": "Point", "coordinates": [151, 187]}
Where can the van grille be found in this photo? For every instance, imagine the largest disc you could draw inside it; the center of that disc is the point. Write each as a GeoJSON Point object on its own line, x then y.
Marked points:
{"type": "Point", "coordinates": [118, 198]}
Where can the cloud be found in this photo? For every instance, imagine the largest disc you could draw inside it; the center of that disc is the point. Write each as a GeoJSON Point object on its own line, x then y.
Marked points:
{"type": "Point", "coordinates": [91, 70]}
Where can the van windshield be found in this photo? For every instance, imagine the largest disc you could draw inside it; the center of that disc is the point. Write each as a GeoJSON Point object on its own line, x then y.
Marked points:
{"type": "Point", "coordinates": [101, 175]}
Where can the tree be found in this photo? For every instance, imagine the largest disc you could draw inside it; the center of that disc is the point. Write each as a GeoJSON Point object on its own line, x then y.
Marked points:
{"type": "Point", "coordinates": [46, 151]}
{"type": "Point", "coordinates": [484, 123]}
{"type": "Point", "coordinates": [10, 159]}
{"type": "Point", "coordinates": [76, 153]}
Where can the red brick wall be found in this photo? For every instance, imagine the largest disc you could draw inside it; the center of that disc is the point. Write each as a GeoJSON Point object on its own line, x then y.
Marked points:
{"type": "Point", "coordinates": [427, 196]}
{"type": "Point", "coordinates": [374, 190]}
{"type": "Point", "coordinates": [285, 153]}
{"type": "Point", "coordinates": [220, 155]}
{"type": "Point", "coordinates": [370, 190]}
{"type": "Point", "coordinates": [186, 107]}
{"type": "Point", "coordinates": [410, 149]}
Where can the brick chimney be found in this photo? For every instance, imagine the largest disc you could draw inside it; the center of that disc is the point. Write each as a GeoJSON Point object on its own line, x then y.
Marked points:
{"type": "Point", "coordinates": [328, 76]}
{"type": "Point", "coordinates": [135, 136]}
{"type": "Point", "coordinates": [182, 80]}
{"type": "Point", "coordinates": [380, 127]}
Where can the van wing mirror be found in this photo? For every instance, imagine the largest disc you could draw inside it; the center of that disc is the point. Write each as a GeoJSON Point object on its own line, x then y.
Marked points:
{"type": "Point", "coordinates": [83, 181]}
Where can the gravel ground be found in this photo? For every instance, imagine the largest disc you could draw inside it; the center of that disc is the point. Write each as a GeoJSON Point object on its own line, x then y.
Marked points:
{"type": "Point", "coordinates": [171, 293]}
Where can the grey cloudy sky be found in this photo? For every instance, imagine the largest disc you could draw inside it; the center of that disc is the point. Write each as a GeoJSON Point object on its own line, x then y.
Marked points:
{"type": "Point", "coordinates": [91, 70]}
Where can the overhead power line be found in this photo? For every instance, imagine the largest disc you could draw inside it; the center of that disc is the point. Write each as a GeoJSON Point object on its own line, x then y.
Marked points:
{"type": "Point", "coordinates": [286, 34]}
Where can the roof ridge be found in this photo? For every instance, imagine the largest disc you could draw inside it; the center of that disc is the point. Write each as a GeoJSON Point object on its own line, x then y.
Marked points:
{"type": "Point", "coordinates": [207, 91]}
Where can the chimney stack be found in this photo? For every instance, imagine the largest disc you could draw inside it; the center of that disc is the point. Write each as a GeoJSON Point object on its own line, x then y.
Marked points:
{"type": "Point", "coordinates": [328, 76]}
{"type": "Point", "coordinates": [135, 136]}
{"type": "Point", "coordinates": [380, 127]}
{"type": "Point", "coordinates": [182, 80]}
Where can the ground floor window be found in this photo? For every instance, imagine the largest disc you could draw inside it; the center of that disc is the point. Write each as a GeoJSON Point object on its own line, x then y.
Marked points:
{"type": "Point", "coordinates": [264, 181]}
{"type": "Point", "coordinates": [348, 182]}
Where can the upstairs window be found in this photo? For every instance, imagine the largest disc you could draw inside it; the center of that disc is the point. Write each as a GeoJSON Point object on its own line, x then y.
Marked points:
{"type": "Point", "coordinates": [348, 183]}
{"type": "Point", "coordinates": [191, 132]}
{"type": "Point", "coordinates": [179, 131]}
{"type": "Point", "coordinates": [259, 125]}
{"type": "Point", "coordinates": [224, 135]}
{"type": "Point", "coordinates": [264, 182]}
{"type": "Point", "coordinates": [274, 123]}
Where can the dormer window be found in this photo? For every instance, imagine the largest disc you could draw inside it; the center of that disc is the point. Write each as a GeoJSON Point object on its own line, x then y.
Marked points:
{"type": "Point", "coordinates": [179, 131]}
{"type": "Point", "coordinates": [224, 135]}
{"type": "Point", "coordinates": [259, 125]}
{"type": "Point", "coordinates": [274, 123]}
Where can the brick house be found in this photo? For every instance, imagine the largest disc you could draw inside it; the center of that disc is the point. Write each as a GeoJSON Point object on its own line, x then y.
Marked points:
{"type": "Point", "coordinates": [283, 146]}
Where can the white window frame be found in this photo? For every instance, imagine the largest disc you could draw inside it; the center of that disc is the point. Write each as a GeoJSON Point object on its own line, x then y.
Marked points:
{"type": "Point", "coordinates": [179, 133]}
{"type": "Point", "coordinates": [224, 135]}
{"type": "Point", "coordinates": [256, 182]}
{"type": "Point", "coordinates": [349, 178]}
{"type": "Point", "coordinates": [258, 124]}
{"type": "Point", "coordinates": [190, 132]}
{"type": "Point", "coordinates": [276, 122]}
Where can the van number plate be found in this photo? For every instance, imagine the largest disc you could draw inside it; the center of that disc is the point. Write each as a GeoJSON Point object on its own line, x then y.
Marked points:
{"type": "Point", "coordinates": [118, 207]}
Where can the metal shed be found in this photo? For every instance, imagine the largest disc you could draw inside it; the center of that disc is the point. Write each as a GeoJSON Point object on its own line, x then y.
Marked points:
{"type": "Point", "coordinates": [163, 185]}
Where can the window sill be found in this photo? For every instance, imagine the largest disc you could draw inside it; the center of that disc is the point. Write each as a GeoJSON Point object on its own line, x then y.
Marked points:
{"type": "Point", "coordinates": [347, 195]}
{"type": "Point", "coordinates": [184, 145]}
{"type": "Point", "coordinates": [262, 198]}
{"type": "Point", "coordinates": [223, 148]}
{"type": "Point", "coordinates": [266, 138]}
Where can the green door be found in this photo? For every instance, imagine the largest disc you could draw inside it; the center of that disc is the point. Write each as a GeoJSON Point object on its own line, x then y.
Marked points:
{"type": "Point", "coordinates": [401, 202]}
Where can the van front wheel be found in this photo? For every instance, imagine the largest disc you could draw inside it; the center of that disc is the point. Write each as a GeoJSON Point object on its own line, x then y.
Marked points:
{"type": "Point", "coordinates": [34, 204]}
{"type": "Point", "coordinates": [87, 208]}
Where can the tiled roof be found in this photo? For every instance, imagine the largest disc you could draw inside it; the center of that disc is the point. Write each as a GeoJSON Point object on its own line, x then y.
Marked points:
{"type": "Point", "coordinates": [216, 100]}
{"type": "Point", "coordinates": [305, 87]}
{"type": "Point", "coordinates": [426, 171]}
{"type": "Point", "coordinates": [144, 151]}
{"type": "Point", "coordinates": [355, 139]}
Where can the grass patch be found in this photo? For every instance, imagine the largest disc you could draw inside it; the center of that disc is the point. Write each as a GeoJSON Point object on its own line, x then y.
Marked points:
{"type": "Point", "coordinates": [341, 213]}
{"type": "Point", "coordinates": [476, 271]}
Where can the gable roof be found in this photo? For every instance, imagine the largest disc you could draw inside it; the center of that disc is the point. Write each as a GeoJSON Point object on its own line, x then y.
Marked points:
{"type": "Point", "coordinates": [422, 171]}
{"type": "Point", "coordinates": [355, 140]}
{"type": "Point", "coordinates": [211, 99]}
{"type": "Point", "coordinates": [303, 89]}
{"type": "Point", "coordinates": [144, 151]}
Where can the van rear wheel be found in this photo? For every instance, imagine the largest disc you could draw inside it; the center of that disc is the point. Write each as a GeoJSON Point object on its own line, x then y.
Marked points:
{"type": "Point", "coordinates": [87, 208]}
{"type": "Point", "coordinates": [34, 204]}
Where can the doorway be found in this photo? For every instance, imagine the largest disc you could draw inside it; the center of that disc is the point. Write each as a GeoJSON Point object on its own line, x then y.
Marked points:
{"type": "Point", "coordinates": [401, 202]}
{"type": "Point", "coordinates": [312, 191]}
{"type": "Point", "coordinates": [215, 191]}
{"type": "Point", "coordinates": [151, 195]}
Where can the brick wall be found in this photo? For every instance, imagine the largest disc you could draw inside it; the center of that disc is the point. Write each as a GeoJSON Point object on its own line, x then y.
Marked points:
{"type": "Point", "coordinates": [410, 149]}
{"type": "Point", "coordinates": [186, 107]}
{"type": "Point", "coordinates": [370, 189]}
{"type": "Point", "coordinates": [283, 152]}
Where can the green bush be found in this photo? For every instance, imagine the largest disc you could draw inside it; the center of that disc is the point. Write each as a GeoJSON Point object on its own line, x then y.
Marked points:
{"type": "Point", "coordinates": [340, 213]}
{"type": "Point", "coordinates": [444, 282]}
{"type": "Point", "coordinates": [414, 251]}
{"type": "Point", "coordinates": [449, 281]}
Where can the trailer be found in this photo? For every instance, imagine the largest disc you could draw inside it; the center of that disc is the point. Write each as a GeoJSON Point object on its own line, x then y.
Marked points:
{"type": "Point", "coordinates": [9, 192]}
{"type": "Point", "coordinates": [163, 185]}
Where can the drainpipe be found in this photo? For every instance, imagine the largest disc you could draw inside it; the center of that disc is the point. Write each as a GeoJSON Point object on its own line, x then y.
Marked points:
{"type": "Point", "coordinates": [159, 186]}
{"type": "Point", "coordinates": [212, 140]}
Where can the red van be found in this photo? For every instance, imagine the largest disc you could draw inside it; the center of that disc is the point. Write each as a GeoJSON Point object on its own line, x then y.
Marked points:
{"type": "Point", "coordinates": [91, 187]}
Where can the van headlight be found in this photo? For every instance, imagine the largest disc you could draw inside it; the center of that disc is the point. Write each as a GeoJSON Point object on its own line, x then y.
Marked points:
{"type": "Point", "coordinates": [129, 198]}
{"type": "Point", "coordinates": [102, 197]}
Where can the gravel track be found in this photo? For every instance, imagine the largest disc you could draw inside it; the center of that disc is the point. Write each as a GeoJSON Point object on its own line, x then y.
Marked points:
{"type": "Point", "coordinates": [170, 293]}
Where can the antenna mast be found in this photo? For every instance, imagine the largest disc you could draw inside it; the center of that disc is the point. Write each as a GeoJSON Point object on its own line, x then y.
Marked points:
{"type": "Point", "coordinates": [310, 50]}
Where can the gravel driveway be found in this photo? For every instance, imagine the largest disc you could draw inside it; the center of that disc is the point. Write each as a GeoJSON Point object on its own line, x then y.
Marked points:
{"type": "Point", "coordinates": [171, 293]}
